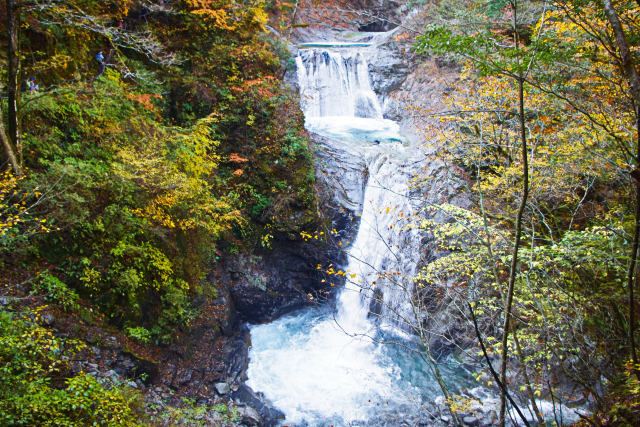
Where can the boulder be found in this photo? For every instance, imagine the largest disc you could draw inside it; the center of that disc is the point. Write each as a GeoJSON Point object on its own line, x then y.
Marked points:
{"type": "Point", "coordinates": [269, 415]}
{"type": "Point", "coordinates": [133, 366]}
{"type": "Point", "coordinates": [249, 417]}
{"type": "Point", "coordinates": [222, 388]}
{"type": "Point", "coordinates": [470, 421]}
{"type": "Point", "coordinates": [271, 283]}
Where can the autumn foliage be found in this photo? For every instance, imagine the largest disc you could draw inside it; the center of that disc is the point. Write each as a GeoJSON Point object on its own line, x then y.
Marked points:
{"type": "Point", "coordinates": [186, 146]}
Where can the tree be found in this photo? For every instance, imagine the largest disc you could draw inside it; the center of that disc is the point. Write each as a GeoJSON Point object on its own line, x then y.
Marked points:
{"type": "Point", "coordinates": [88, 17]}
{"type": "Point", "coordinates": [582, 133]}
{"type": "Point", "coordinates": [9, 149]}
{"type": "Point", "coordinates": [628, 66]}
{"type": "Point", "coordinates": [502, 55]}
{"type": "Point", "coordinates": [592, 40]}
{"type": "Point", "coordinates": [13, 88]}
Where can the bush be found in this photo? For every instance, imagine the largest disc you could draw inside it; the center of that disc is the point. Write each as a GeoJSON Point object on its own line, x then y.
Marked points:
{"type": "Point", "coordinates": [36, 387]}
{"type": "Point", "coordinates": [56, 291]}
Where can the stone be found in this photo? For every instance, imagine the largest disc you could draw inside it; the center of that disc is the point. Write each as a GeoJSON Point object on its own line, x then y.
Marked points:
{"type": "Point", "coordinates": [48, 319]}
{"type": "Point", "coordinates": [4, 301]}
{"type": "Point", "coordinates": [214, 419]}
{"type": "Point", "coordinates": [237, 357]}
{"type": "Point", "coordinates": [133, 367]}
{"type": "Point", "coordinates": [182, 377]}
{"type": "Point", "coordinates": [269, 415]}
{"type": "Point", "coordinates": [470, 421]}
{"type": "Point", "coordinates": [222, 388]}
{"type": "Point", "coordinates": [92, 338]}
{"type": "Point", "coordinates": [273, 282]}
{"type": "Point", "coordinates": [445, 419]}
{"type": "Point", "coordinates": [249, 417]}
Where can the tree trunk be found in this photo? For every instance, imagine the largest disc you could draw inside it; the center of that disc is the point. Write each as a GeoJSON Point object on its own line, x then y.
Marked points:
{"type": "Point", "coordinates": [514, 253]}
{"type": "Point", "coordinates": [518, 231]}
{"type": "Point", "coordinates": [13, 83]}
{"type": "Point", "coordinates": [9, 150]}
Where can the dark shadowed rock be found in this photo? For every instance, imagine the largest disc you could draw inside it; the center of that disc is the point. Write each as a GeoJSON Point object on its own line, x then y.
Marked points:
{"type": "Point", "coordinates": [249, 416]}
{"type": "Point", "coordinates": [377, 26]}
{"type": "Point", "coordinates": [274, 282]}
{"type": "Point", "coordinates": [132, 366]}
{"type": "Point", "coordinates": [269, 415]}
{"type": "Point", "coordinates": [236, 357]}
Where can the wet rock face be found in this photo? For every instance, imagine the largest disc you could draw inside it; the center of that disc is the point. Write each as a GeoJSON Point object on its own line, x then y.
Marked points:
{"type": "Point", "coordinates": [350, 15]}
{"type": "Point", "coordinates": [342, 176]}
{"type": "Point", "coordinates": [389, 68]}
{"type": "Point", "coordinates": [377, 26]}
{"type": "Point", "coordinates": [270, 283]}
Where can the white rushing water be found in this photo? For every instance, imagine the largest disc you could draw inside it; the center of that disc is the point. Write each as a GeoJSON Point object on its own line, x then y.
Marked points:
{"type": "Point", "coordinates": [320, 366]}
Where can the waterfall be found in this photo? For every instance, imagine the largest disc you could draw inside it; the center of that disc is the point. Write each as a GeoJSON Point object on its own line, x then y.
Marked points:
{"type": "Point", "coordinates": [338, 102]}
{"type": "Point", "coordinates": [329, 365]}
{"type": "Point", "coordinates": [324, 366]}
{"type": "Point", "coordinates": [335, 85]}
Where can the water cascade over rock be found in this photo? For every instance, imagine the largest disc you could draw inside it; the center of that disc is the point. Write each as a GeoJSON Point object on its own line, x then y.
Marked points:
{"type": "Point", "coordinates": [323, 365]}
{"type": "Point", "coordinates": [355, 362]}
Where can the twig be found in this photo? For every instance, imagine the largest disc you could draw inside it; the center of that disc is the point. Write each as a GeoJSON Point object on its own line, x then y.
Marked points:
{"type": "Point", "coordinates": [493, 372]}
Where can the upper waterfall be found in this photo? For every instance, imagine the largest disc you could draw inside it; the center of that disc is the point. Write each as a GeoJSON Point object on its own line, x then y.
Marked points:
{"type": "Point", "coordinates": [336, 84]}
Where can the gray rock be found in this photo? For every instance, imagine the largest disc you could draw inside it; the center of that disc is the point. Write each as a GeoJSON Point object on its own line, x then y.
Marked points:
{"type": "Point", "coordinates": [470, 421]}
{"type": "Point", "coordinates": [249, 417]}
{"type": "Point", "coordinates": [93, 339]}
{"type": "Point", "coordinates": [4, 301]}
{"type": "Point", "coordinates": [445, 419]}
{"type": "Point", "coordinates": [182, 377]}
{"type": "Point", "coordinates": [132, 384]}
{"type": "Point", "coordinates": [269, 415]}
{"type": "Point", "coordinates": [214, 419]}
{"type": "Point", "coordinates": [48, 319]}
{"type": "Point", "coordinates": [222, 388]}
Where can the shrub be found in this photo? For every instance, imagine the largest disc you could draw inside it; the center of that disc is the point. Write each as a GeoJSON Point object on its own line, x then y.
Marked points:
{"type": "Point", "coordinates": [56, 291]}
{"type": "Point", "coordinates": [36, 387]}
